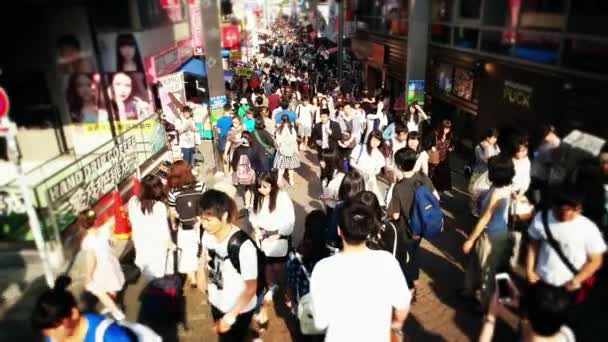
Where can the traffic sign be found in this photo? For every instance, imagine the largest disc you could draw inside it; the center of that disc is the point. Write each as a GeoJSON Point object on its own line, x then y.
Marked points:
{"type": "Point", "coordinates": [4, 103]}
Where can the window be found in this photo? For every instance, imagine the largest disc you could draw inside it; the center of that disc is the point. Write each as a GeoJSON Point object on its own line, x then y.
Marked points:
{"type": "Point", "coordinates": [441, 34]}
{"type": "Point", "coordinates": [466, 37]}
{"type": "Point", "coordinates": [498, 13]}
{"type": "Point", "coordinates": [441, 11]}
{"type": "Point", "coordinates": [384, 16]}
{"type": "Point", "coordinates": [443, 77]}
{"type": "Point", "coordinates": [160, 12]}
{"type": "Point", "coordinates": [589, 17]}
{"type": "Point", "coordinates": [495, 42]}
{"type": "Point", "coordinates": [469, 9]}
{"type": "Point", "coordinates": [111, 14]}
{"type": "Point", "coordinates": [537, 47]}
{"type": "Point", "coordinates": [586, 55]}
{"type": "Point", "coordinates": [546, 15]}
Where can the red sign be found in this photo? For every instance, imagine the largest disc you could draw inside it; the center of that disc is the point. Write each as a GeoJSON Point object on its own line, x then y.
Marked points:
{"type": "Point", "coordinates": [196, 27]}
{"type": "Point", "coordinates": [173, 9]}
{"type": "Point", "coordinates": [4, 103]}
{"type": "Point", "coordinates": [231, 37]}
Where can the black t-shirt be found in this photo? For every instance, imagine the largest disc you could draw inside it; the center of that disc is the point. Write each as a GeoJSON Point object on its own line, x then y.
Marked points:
{"type": "Point", "coordinates": [403, 195]}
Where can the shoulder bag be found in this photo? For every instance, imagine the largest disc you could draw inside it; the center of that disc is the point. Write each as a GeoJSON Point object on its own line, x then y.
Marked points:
{"type": "Point", "coordinates": [270, 150]}
{"type": "Point", "coordinates": [588, 284]}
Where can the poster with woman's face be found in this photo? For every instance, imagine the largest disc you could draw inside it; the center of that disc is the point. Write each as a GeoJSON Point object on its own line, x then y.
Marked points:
{"type": "Point", "coordinates": [129, 96]}
{"type": "Point", "coordinates": [121, 52]}
{"type": "Point", "coordinates": [84, 98]}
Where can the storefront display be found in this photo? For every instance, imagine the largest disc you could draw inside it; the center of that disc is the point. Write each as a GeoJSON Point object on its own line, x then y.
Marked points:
{"type": "Point", "coordinates": [463, 83]}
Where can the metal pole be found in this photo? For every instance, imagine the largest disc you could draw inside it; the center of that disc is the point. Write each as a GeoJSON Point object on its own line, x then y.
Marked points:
{"type": "Point", "coordinates": [32, 216]}
{"type": "Point", "coordinates": [340, 39]}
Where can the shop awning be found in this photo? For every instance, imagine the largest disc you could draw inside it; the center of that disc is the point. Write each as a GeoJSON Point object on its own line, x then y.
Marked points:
{"type": "Point", "coordinates": [195, 66]}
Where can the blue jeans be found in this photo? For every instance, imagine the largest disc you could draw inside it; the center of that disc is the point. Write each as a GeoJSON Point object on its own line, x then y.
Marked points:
{"type": "Point", "coordinates": [188, 154]}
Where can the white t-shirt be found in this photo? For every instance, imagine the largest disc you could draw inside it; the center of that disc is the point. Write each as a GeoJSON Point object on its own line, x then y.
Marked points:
{"type": "Point", "coordinates": [226, 285]}
{"type": "Point", "coordinates": [354, 295]}
{"type": "Point", "coordinates": [522, 178]}
{"type": "Point", "coordinates": [304, 115]}
{"type": "Point", "coordinates": [578, 239]}
{"type": "Point", "coordinates": [281, 219]}
{"type": "Point", "coordinates": [331, 189]}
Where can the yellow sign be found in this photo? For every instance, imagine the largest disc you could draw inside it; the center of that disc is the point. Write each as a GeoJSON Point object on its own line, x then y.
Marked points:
{"type": "Point", "coordinates": [121, 127]}
{"type": "Point", "coordinates": [235, 55]}
{"type": "Point", "coordinates": [244, 71]}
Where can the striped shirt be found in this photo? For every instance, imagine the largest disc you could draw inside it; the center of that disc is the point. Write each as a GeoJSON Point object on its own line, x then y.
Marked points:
{"type": "Point", "coordinates": [174, 193]}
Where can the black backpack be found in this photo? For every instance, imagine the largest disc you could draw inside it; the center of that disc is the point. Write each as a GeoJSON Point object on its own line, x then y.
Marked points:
{"type": "Point", "coordinates": [186, 205]}
{"type": "Point", "coordinates": [234, 246]}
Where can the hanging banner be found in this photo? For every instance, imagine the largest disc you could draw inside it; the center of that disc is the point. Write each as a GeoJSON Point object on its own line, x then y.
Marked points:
{"type": "Point", "coordinates": [244, 71]}
{"type": "Point", "coordinates": [196, 27]}
{"type": "Point", "coordinates": [172, 94]}
{"type": "Point", "coordinates": [231, 37]}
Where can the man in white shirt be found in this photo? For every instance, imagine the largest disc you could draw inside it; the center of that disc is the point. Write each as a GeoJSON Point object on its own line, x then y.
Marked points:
{"type": "Point", "coordinates": [231, 282]}
{"type": "Point", "coordinates": [358, 294]}
{"type": "Point", "coordinates": [578, 237]}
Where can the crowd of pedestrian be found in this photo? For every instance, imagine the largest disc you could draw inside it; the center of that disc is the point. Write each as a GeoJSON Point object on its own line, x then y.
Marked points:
{"type": "Point", "coordinates": [355, 273]}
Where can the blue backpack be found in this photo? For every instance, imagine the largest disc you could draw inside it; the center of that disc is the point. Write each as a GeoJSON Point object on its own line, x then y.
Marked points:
{"type": "Point", "coordinates": [426, 218]}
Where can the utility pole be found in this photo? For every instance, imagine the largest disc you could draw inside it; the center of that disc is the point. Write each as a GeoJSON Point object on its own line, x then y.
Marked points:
{"type": "Point", "coordinates": [340, 39]}
{"type": "Point", "coordinates": [210, 13]}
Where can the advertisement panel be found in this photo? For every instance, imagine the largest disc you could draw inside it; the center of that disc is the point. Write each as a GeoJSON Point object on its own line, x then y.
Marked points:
{"type": "Point", "coordinates": [196, 27]}
{"type": "Point", "coordinates": [415, 91]}
{"type": "Point", "coordinates": [231, 37]}
{"type": "Point", "coordinates": [172, 95]}
{"type": "Point", "coordinates": [463, 83]}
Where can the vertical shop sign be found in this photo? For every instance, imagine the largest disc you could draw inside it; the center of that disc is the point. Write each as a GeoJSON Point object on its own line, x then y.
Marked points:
{"type": "Point", "coordinates": [231, 37]}
{"type": "Point", "coordinates": [172, 95]}
{"type": "Point", "coordinates": [196, 27]}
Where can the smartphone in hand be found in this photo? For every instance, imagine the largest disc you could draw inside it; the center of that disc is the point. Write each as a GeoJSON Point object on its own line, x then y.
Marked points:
{"type": "Point", "coordinates": [503, 287]}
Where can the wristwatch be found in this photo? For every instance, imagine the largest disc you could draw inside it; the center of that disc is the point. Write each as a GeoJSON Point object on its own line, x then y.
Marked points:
{"type": "Point", "coordinates": [229, 319]}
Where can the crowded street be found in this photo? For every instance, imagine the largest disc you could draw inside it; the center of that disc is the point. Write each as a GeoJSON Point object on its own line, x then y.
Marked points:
{"type": "Point", "coordinates": [306, 171]}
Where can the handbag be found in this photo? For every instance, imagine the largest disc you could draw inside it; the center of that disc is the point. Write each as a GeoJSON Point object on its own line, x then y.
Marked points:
{"type": "Point", "coordinates": [305, 310]}
{"type": "Point", "coordinates": [589, 283]}
{"type": "Point", "coordinates": [270, 150]}
{"type": "Point", "coordinates": [434, 157]}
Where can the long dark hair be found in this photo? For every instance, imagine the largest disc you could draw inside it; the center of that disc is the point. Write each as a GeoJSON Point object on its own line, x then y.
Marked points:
{"type": "Point", "coordinates": [333, 163]}
{"type": "Point", "coordinates": [408, 113]}
{"type": "Point", "coordinates": [352, 184]}
{"type": "Point", "coordinates": [54, 305]}
{"type": "Point", "coordinates": [446, 123]}
{"type": "Point", "coordinates": [127, 39]}
{"type": "Point", "coordinates": [414, 135]}
{"type": "Point", "coordinates": [151, 193]}
{"type": "Point", "coordinates": [73, 99]}
{"type": "Point", "coordinates": [271, 179]}
{"type": "Point", "coordinates": [313, 246]}
{"type": "Point", "coordinates": [376, 134]}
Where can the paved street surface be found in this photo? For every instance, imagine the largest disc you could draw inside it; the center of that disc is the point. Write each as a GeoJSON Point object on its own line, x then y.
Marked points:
{"type": "Point", "coordinates": [439, 314]}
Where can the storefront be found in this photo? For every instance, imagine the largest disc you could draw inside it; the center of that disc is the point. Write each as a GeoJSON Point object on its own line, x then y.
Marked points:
{"type": "Point", "coordinates": [479, 94]}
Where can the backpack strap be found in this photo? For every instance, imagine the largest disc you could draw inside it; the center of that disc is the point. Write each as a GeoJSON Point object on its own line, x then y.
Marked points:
{"type": "Point", "coordinates": [234, 246]}
{"type": "Point", "coordinates": [101, 329]}
{"type": "Point", "coordinates": [554, 244]}
{"type": "Point", "coordinates": [266, 147]}
{"type": "Point", "coordinates": [389, 223]}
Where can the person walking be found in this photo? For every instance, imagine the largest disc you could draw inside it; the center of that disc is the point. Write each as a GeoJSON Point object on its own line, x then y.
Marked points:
{"type": "Point", "coordinates": [184, 192]}
{"type": "Point", "coordinates": [265, 145]}
{"type": "Point", "coordinates": [187, 135]}
{"type": "Point", "coordinates": [304, 122]}
{"type": "Point", "coordinates": [441, 145]}
{"type": "Point", "coordinates": [369, 160]}
{"type": "Point", "coordinates": [332, 175]}
{"type": "Point", "coordinates": [245, 166]}
{"type": "Point", "coordinates": [151, 235]}
{"type": "Point", "coordinates": [341, 279]}
{"type": "Point", "coordinates": [229, 267]}
{"type": "Point", "coordinates": [490, 236]}
{"type": "Point", "coordinates": [287, 151]}
{"type": "Point", "coordinates": [103, 276]}
{"type": "Point", "coordinates": [233, 139]}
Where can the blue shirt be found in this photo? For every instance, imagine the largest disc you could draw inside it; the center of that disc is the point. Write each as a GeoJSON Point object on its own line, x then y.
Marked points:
{"type": "Point", "coordinates": [292, 116]}
{"type": "Point", "coordinates": [114, 333]}
{"type": "Point", "coordinates": [249, 124]}
{"type": "Point", "coordinates": [499, 222]}
{"type": "Point", "coordinates": [224, 124]}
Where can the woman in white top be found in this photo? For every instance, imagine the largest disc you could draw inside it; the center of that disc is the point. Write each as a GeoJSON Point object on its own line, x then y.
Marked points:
{"type": "Point", "coordinates": [304, 112]}
{"type": "Point", "coordinates": [187, 135]}
{"type": "Point", "coordinates": [332, 174]}
{"type": "Point", "coordinates": [422, 162]}
{"type": "Point", "coordinates": [151, 237]}
{"type": "Point", "coordinates": [287, 152]}
{"type": "Point", "coordinates": [377, 120]}
{"type": "Point", "coordinates": [414, 116]}
{"type": "Point", "coordinates": [369, 160]}
{"type": "Point", "coordinates": [397, 142]}
{"type": "Point", "coordinates": [522, 178]}
{"type": "Point", "coordinates": [314, 110]}
{"type": "Point", "coordinates": [272, 219]}
{"type": "Point", "coordinates": [485, 150]}
{"type": "Point", "coordinates": [104, 277]}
